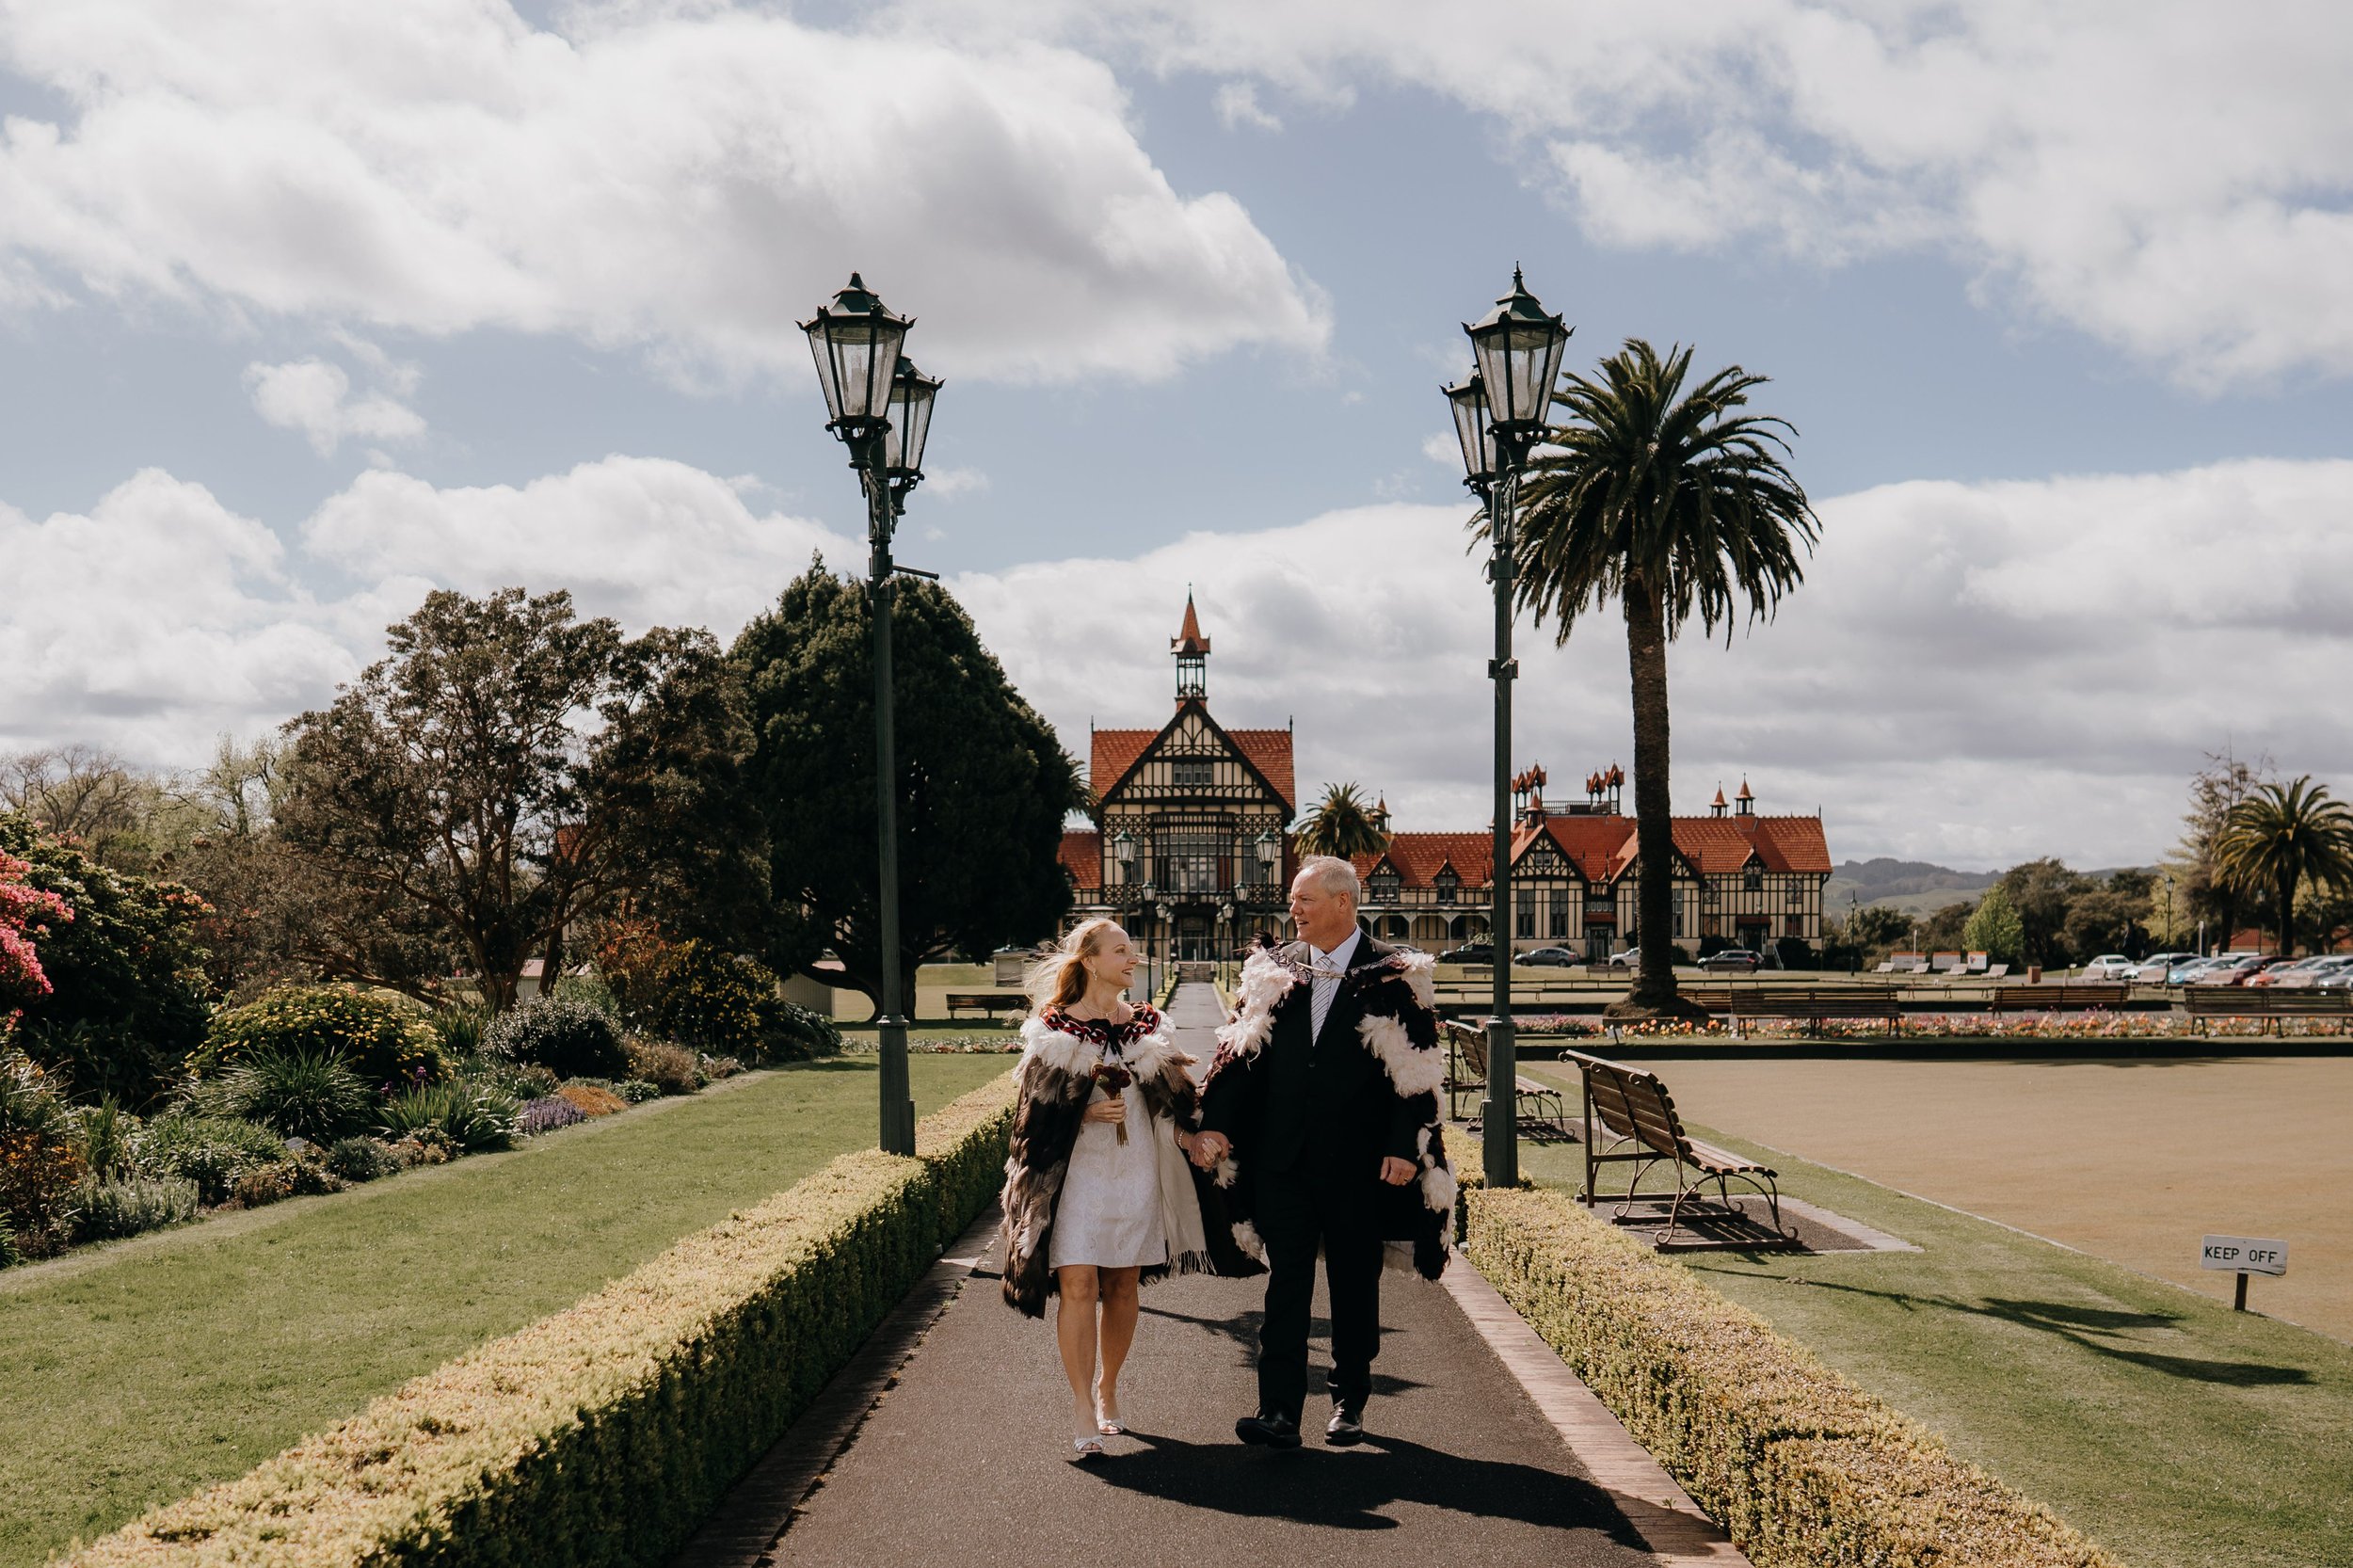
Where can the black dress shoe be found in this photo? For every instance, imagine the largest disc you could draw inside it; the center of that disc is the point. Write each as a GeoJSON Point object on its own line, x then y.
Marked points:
{"type": "Point", "coordinates": [1268, 1432]}
{"type": "Point", "coordinates": [1347, 1426]}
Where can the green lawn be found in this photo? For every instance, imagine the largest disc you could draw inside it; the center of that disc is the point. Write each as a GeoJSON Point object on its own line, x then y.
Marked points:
{"type": "Point", "coordinates": [2172, 1430]}
{"type": "Point", "coordinates": [137, 1373]}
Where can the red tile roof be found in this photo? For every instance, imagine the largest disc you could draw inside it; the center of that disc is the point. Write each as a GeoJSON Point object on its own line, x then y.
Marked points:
{"type": "Point", "coordinates": [1269, 750]}
{"type": "Point", "coordinates": [1602, 847]}
{"type": "Point", "coordinates": [1082, 857]}
{"type": "Point", "coordinates": [1115, 752]}
{"type": "Point", "coordinates": [1419, 856]}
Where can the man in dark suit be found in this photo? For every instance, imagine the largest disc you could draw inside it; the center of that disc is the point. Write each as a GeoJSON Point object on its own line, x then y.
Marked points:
{"type": "Point", "coordinates": [1329, 1138]}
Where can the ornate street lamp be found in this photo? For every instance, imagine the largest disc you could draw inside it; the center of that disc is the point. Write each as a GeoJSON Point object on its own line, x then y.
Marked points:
{"type": "Point", "coordinates": [1123, 854]}
{"type": "Point", "coordinates": [1499, 412]}
{"type": "Point", "coordinates": [880, 407]}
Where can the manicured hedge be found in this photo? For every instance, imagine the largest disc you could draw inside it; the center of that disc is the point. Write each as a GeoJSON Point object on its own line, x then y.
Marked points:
{"type": "Point", "coordinates": [1801, 1468]}
{"type": "Point", "coordinates": [606, 1433]}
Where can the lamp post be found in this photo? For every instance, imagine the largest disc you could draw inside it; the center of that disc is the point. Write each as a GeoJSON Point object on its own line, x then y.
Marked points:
{"type": "Point", "coordinates": [880, 407]}
{"type": "Point", "coordinates": [1499, 414]}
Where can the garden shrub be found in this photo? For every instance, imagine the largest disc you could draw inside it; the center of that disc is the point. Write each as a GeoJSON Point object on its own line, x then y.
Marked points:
{"type": "Point", "coordinates": [712, 1000]}
{"type": "Point", "coordinates": [517, 1080]}
{"type": "Point", "coordinates": [381, 1037]}
{"type": "Point", "coordinates": [261, 1185]}
{"type": "Point", "coordinates": [466, 1115]}
{"type": "Point", "coordinates": [671, 1069]}
{"type": "Point", "coordinates": [10, 1256]}
{"type": "Point", "coordinates": [106, 1210]}
{"type": "Point", "coordinates": [461, 1030]}
{"type": "Point", "coordinates": [546, 1115]}
{"type": "Point", "coordinates": [211, 1151]}
{"type": "Point", "coordinates": [532, 1449]}
{"type": "Point", "coordinates": [298, 1092]}
{"type": "Point", "coordinates": [570, 1038]}
{"type": "Point", "coordinates": [592, 1099]}
{"type": "Point", "coordinates": [103, 1135]}
{"type": "Point", "coordinates": [425, 1146]}
{"type": "Point", "coordinates": [127, 991]}
{"type": "Point", "coordinates": [40, 1163]}
{"type": "Point", "coordinates": [360, 1158]}
{"type": "Point", "coordinates": [1801, 1468]}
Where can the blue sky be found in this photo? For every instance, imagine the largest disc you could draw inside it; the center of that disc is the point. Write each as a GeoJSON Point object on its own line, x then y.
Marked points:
{"type": "Point", "coordinates": [299, 317]}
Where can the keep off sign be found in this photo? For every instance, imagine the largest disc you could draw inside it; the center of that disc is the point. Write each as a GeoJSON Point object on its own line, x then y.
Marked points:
{"type": "Point", "coordinates": [2245, 1255]}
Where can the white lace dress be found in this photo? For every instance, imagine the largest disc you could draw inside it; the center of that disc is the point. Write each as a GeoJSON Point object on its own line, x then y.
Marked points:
{"type": "Point", "coordinates": [1109, 1211]}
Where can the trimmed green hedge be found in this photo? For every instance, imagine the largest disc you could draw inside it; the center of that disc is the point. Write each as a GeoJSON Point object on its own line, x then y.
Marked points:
{"type": "Point", "coordinates": [605, 1434]}
{"type": "Point", "coordinates": [1801, 1468]}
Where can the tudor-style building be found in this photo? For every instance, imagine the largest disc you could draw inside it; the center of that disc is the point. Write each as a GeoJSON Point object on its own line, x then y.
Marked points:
{"type": "Point", "coordinates": [1190, 849]}
{"type": "Point", "coordinates": [1741, 878]}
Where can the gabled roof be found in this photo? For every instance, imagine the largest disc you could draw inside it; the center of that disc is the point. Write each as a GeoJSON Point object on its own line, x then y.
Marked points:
{"type": "Point", "coordinates": [1116, 752]}
{"type": "Point", "coordinates": [1418, 857]}
{"type": "Point", "coordinates": [1081, 855]}
{"type": "Point", "coordinates": [1603, 848]}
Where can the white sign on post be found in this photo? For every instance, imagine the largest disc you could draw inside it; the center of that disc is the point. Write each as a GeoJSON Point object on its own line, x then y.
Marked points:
{"type": "Point", "coordinates": [2245, 1255]}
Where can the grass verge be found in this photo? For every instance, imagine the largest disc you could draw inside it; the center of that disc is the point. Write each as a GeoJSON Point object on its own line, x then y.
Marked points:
{"type": "Point", "coordinates": [2156, 1422]}
{"type": "Point", "coordinates": [141, 1371]}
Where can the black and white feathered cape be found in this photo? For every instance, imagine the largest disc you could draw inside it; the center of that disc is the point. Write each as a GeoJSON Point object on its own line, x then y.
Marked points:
{"type": "Point", "coordinates": [1055, 1083]}
{"type": "Point", "coordinates": [1398, 1023]}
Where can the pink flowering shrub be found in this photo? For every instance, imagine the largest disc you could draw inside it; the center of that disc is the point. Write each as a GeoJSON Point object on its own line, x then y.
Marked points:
{"type": "Point", "coordinates": [25, 913]}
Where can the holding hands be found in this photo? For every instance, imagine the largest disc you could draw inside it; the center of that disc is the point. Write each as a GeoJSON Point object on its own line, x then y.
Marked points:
{"type": "Point", "coordinates": [1208, 1148]}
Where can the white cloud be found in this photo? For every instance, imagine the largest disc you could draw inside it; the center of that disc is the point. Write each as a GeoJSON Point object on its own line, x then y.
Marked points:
{"type": "Point", "coordinates": [1443, 448]}
{"type": "Point", "coordinates": [948, 483]}
{"type": "Point", "coordinates": [314, 397]}
{"type": "Point", "coordinates": [1237, 106]}
{"type": "Point", "coordinates": [685, 177]}
{"type": "Point", "coordinates": [2171, 176]}
{"type": "Point", "coordinates": [1974, 673]}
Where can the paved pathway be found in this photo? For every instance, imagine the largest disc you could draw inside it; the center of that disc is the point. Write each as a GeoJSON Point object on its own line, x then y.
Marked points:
{"type": "Point", "coordinates": [962, 1457]}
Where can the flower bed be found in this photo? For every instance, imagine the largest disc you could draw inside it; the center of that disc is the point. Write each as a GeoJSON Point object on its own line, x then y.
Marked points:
{"type": "Point", "coordinates": [2096, 1024]}
{"type": "Point", "coordinates": [1801, 1468]}
{"type": "Point", "coordinates": [608, 1431]}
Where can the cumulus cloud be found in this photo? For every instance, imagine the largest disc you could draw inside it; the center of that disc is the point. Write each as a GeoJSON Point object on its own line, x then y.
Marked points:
{"type": "Point", "coordinates": [1974, 673]}
{"type": "Point", "coordinates": [684, 178]}
{"type": "Point", "coordinates": [2171, 176]}
{"type": "Point", "coordinates": [1237, 106]}
{"type": "Point", "coordinates": [314, 397]}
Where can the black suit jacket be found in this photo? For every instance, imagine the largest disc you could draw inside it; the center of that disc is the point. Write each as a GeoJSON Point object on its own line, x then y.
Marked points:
{"type": "Point", "coordinates": [1320, 1108]}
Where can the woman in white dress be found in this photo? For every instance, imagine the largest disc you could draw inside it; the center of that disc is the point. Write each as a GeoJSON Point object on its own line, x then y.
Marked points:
{"type": "Point", "coordinates": [1099, 1191]}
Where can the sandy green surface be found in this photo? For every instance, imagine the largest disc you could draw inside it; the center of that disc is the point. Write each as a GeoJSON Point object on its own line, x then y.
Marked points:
{"type": "Point", "coordinates": [140, 1372]}
{"type": "Point", "coordinates": [2133, 1161]}
{"type": "Point", "coordinates": [2157, 1421]}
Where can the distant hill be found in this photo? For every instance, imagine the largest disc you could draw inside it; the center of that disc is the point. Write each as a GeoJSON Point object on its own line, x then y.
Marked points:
{"type": "Point", "coordinates": [1914, 886]}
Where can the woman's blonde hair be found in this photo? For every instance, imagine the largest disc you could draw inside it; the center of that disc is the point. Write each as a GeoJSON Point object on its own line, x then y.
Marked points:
{"type": "Point", "coordinates": [1060, 978]}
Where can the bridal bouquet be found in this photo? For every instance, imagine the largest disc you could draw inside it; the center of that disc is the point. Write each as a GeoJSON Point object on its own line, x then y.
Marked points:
{"type": "Point", "coordinates": [1114, 1080]}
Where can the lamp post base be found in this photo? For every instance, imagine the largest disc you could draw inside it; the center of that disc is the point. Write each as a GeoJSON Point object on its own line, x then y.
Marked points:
{"type": "Point", "coordinates": [1499, 1128]}
{"type": "Point", "coordinates": [898, 1102]}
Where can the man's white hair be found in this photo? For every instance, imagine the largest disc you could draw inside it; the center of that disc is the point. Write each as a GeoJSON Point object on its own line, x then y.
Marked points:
{"type": "Point", "coordinates": [1332, 876]}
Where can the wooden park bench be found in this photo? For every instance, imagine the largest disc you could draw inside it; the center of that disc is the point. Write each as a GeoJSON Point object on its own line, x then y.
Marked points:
{"type": "Point", "coordinates": [1466, 1080]}
{"type": "Point", "coordinates": [1638, 1127]}
{"type": "Point", "coordinates": [1813, 1005]}
{"type": "Point", "coordinates": [990, 1002]}
{"type": "Point", "coordinates": [2201, 1002]}
{"type": "Point", "coordinates": [2055, 999]}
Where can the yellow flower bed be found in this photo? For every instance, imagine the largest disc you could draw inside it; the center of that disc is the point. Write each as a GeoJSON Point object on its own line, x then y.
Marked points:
{"type": "Point", "coordinates": [607, 1432]}
{"type": "Point", "coordinates": [1801, 1468]}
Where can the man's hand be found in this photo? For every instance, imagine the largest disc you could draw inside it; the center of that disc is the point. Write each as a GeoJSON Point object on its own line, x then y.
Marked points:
{"type": "Point", "coordinates": [1208, 1148]}
{"type": "Point", "coordinates": [1396, 1172]}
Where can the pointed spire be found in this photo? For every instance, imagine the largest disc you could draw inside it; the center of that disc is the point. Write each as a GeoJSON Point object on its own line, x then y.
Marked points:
{"type": "Point", "coordinates": [1189, 638]}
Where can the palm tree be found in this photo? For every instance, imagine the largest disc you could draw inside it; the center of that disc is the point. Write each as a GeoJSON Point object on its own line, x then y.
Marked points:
{"type": "Point", "coordinates": [1342, 826]}
{"type": "Point", "coordinates": [1673, 505]}
{"type": "Point", "coordinates": [2284, 834]}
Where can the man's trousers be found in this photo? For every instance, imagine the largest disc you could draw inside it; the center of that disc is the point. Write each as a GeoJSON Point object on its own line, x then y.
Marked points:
{"type": "Point", "coordinates": [1296, 1216]}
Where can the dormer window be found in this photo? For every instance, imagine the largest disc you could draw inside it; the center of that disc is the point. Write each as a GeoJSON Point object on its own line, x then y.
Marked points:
{"type": "Point", "coordinates": [1753, 878]}
{"type": "Point", "coordinates": [1384, 886]}
{"type": "Point", "coordinates": [1448, 885]}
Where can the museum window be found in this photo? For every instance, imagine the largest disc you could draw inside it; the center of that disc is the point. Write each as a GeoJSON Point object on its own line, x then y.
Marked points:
{"type": "Point", "coordinates": [1193, 861]}
{"type": "Point", "coordinates": [1190, 773]}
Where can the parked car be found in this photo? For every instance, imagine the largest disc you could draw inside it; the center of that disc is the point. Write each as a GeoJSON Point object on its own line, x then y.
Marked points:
{"type": "Point", "coordinates": [1626, 959]}
{"type": "Point", "coordinates": [1470, 953]}
{"type": "Point", "coordinates": [2110, 966]}
{"type": "Point", "coordinates": [2157, 966]}
{"type": "Point", "coordinates": [2183, 974]}
{"type": "Point", "coordinates": [1732, 961]}
{"type": "Point", "coordinates": [2338, 979]}
{"type": "Point", "coordinates": [2233, 969]}
{"type": "Point", "coordinates": [1549, 958]}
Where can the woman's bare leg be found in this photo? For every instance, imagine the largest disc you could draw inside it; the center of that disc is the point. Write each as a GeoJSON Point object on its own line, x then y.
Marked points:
{"type": "Point", "coordinates": [1119, 1332]}
{"type": "Point", "coordinates": [1074, 1330]}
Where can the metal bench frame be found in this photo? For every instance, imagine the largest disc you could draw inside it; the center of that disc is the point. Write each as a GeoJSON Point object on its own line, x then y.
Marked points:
{"type": "Point", "coordinates": [989, 1003]}
{"type": "Point", "coordinates": [1467, 1076]}
{"type": "Point", "coordinates": [1638, 1127]}
{"type": "Point", "coordinates": [2263, 1003]}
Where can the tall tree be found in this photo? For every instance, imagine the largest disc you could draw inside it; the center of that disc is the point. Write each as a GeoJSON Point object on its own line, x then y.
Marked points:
{"type": "Point", "coordinates": [984, 784]}
{"type": "Point", "coordinates": [1674, 505]}
{"type": "Point", "coordinates": [2283, 834]}
{"type": "Point", "coordinates": [1341, 824]}
{"type": "Point", "coordinates": [511, 770]}
{"type": "Point", "coordinates": [2201, 891]}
